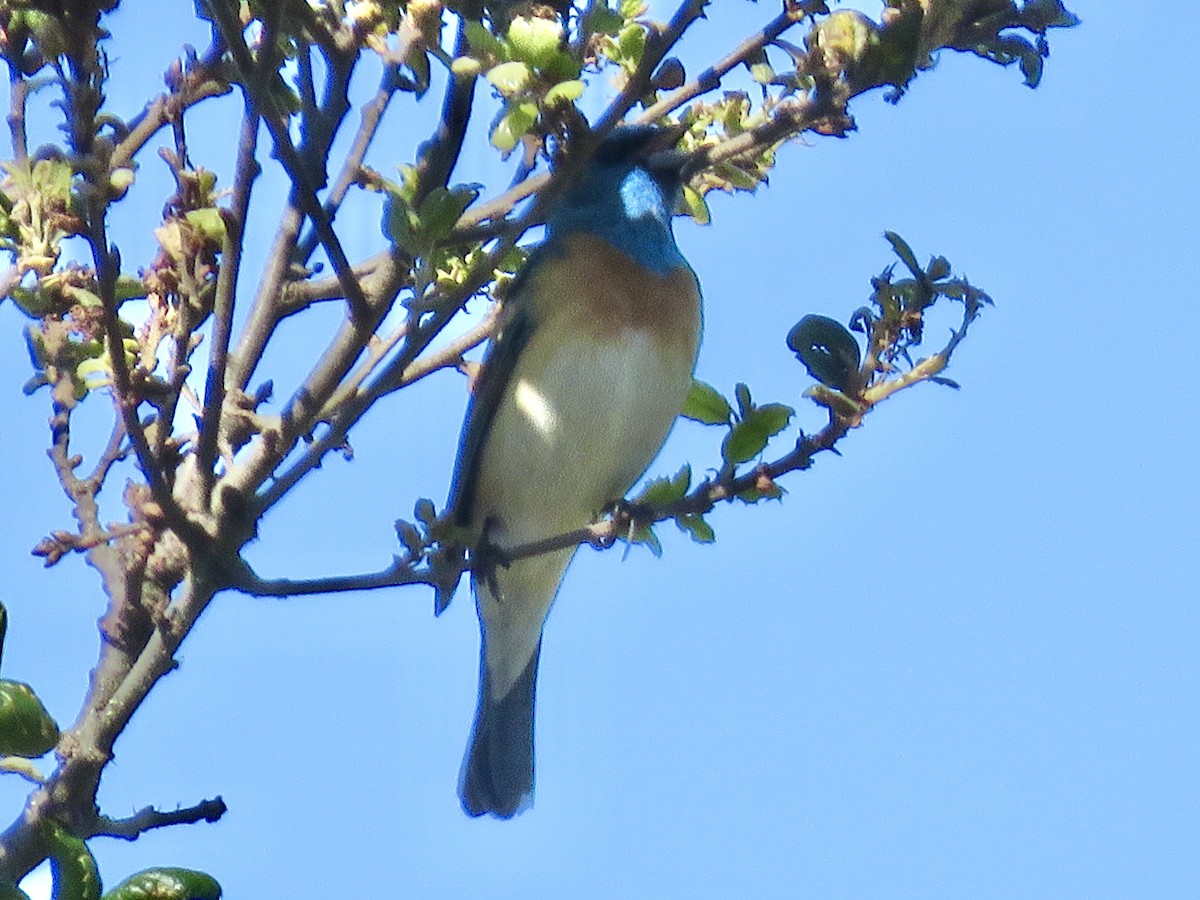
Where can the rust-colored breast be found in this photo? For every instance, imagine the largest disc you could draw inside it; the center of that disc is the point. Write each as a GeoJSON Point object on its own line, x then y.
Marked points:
{"type": "Point", "coordinates": [606, 293]}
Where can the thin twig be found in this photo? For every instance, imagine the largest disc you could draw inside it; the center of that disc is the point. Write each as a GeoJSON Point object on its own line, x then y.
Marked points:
{"type": "Point", "coordinates": [265, 314]}
{"type": "Point", "coordinates": [17, 96]}
{"type": "Point", "coordinates": [107, 262]}
{"type": "Point", "coordinates": [369, 122]}
{"type": "Point", "coordinates": [656, 48]}
{"type": "Point", "coordinates": [246, 170]}
{"type": "Point", "coordinates": [149, 818]}
{"type": "Point", "coordinates": [195, 85]}
{"type": "Point", "coordinates": [440, 155]}
{"type": "Point", "coordinates": [710, 78]}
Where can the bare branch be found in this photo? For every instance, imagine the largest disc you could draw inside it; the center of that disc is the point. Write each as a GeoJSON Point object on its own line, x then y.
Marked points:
{"type": "Point", "coordinates": [440, 155]}
{"type": "Point", "coordinates": [149, 818]}
{"type": "Point", "coordinates": [639, 82]}
{"type": "Point", "coordinates": [199, 82]}
{"type": "Point", "coordinates": [370, 120]}
{"type": "Point", "coordinates": [710, 78]}
{"type": "Point", "coordinates": [17, 95]}
{"type": "Point", "coordinates": [397, 574]}
{"type": "Point", "coordinates": [246, 170]}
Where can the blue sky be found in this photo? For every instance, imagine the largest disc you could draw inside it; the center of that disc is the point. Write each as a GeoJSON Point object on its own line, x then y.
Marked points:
{"type": "Point", "coordinates": [959, 660]}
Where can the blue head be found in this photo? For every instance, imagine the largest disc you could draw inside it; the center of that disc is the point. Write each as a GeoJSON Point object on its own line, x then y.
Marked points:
{"type": "Point", "coordinates": [626, 196]}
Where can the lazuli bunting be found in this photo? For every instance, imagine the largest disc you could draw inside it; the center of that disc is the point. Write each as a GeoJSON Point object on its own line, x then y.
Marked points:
{"type": "Point", "coordinates": [577, 394]}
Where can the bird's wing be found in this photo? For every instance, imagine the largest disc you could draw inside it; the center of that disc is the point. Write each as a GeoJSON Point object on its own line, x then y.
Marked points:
{"type": "Point", "coordinates": [498, 365]}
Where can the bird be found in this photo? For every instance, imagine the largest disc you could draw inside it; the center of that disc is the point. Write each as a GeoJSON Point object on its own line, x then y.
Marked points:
{"type": "Point", "coordinates": [579, 387]}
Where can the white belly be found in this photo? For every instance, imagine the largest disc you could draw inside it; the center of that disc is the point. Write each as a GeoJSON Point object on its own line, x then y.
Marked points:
{"type": "Point", "coordinates": [575, 434]}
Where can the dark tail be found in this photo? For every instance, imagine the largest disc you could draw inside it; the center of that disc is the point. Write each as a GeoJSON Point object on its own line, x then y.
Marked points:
{"type": "Point", "coordinates": [497, 772]}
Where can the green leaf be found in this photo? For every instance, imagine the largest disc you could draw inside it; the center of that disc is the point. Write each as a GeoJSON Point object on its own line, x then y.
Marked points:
{"type": "Point", "coordinates": [72, 867]}
{"type": "Point", "coordinates": [208, 224]}
{"type": "Point", "coordinates": [466, 66]}
{"type": "Point", "coordinates": [738, 178]}
{"type": "Point", "coordinates": [706, 405]}
{"type": "Point", "coordinates": [513, 125]}
{"type": "Point", "coordinates": [565, 92]}
{"type": "Point", "coordinates": [166, 884]}
{"type": "Point", "coordinates": [128, 288]}
{"type": "Point", "coordinates": [535, 40]}
{"type": "Point", "coordinates": [3, 629]}
{"type": "Point", "coordinates": [939, 268]}
{"type": "Point", "coordinates": [741, 393]}
{"type": "Point", "coordinates": [697, 206]}
{"type": "Point", "coordinates": [748, 438]}
{"type": "Point", "coordinates": [833, 400]}
{"type": "Point", "coordinates": [902, 250]}
{"type": "Point", "coordinates": [483, 42]}
{"type": "Point", "coordinates": [509, 78]}
{"type": "Point", "coordinates": [743, 443]}
{"type": "Point", "coordinates": [12, 892]}
{"type": "Point", "coordinates": [632, 44]}
{"type": "Point", "coordinates": [827, 349]}
{"type": "Point", "coordinates": [26, 728]}
{"type": "Point", "coordinates": [631, 8]}
{"type": "Point", "coordinates": [772, 418]}
{"type": "Point", "coordinates": [753, 495]}
{"type": "Point", "coordinates": [661, 491]}
{"type": "Point", "coordinates": [441, 210]}
{"type": "Point", "coordinates": [400, 224]}
{"type": "Point", "coordinates": [94, 373]}
{"type": "Point", "coordinates": [601, 19]}
{"type": "Point", "coordinates": [695, 525]}
{"type": "Point", "coordinates": [645, 535]}
{"type": "Point", "coordinates": [762, 73]}
{"type": "Point", "coordinates": [418, 63]}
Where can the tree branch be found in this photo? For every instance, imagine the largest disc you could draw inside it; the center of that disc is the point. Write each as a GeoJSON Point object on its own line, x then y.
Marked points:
{"type": "Point", "coordinates": [186, 90]}
{"type": "Point", "coordinates": [149, 818]}
{"type": "Point", "coordinates": [246, 170]}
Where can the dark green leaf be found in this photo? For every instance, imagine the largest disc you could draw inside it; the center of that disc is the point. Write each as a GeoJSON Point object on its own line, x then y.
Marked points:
{"type": "Point", "coordinates": [905, 253]}
{"type": "Point", "coordinates": [409, 536]}
{"type": "Point", "coordinates": [441, 210]}
{"type": "Point", "coordinates": [661, 491]}
{"type": "Point", "coordinates": [947, 382]}
{"type": "Point", "coordinates": [744, 442]}
{"type": "Point", "coordinates": [644, 534]}
{"type": "Point", "coordinates": [26, 729]}
{"type": "Point", "coordinates": [483, 42]}
{"type": "Point", "coordinates": [829, 352]}
{"type": "Point", "coordinates": [72, 867]}
{"type": "Point", "coordinates": [772, 418]}
{"type": "Point", "coordinates": [939, 268]}
{"type": "Point", "coordinates": [741, 393]}
{"type": "Point", "coordinates": [166, 884]}
{"type": "Point", "coordinates": [695, 525]}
